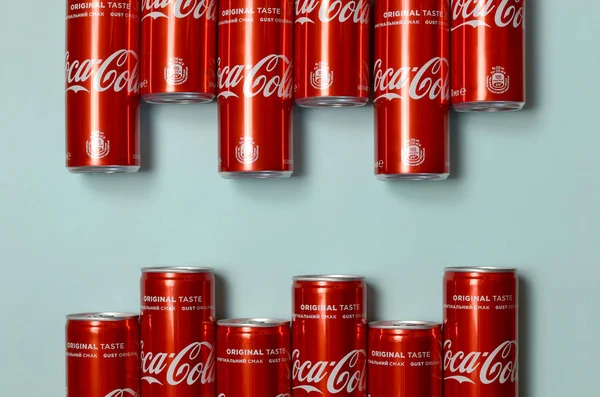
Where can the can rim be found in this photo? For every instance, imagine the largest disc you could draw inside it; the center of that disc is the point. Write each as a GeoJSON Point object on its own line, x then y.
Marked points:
{"type": "Point", "coordinates": [177, 269]}
{"type": "Point", "coordinates": [253, 322]}
{"type": "Point", "coordinates": [480, 269]}
{"type": "Point", "coordinates": [329, 277]}
{"type": "Point", "coordinates": [102, 316]}
{"type": "Point", "coordinates": [405, 324]}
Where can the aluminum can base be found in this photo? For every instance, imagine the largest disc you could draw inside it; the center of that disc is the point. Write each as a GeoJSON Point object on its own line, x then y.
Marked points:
{"type": "Point", "coordinates": [488, 106]}
{"type": "Point", "coordinates": [178, 97]}
{"type": "Point", "coordinates": [412, 177]}
{"type": "Point", "coordinates": [331, 102]}
{"type": "Point", "coordinates": [105, 169]}
{"type": "Point", "coordinates": [256, 174]}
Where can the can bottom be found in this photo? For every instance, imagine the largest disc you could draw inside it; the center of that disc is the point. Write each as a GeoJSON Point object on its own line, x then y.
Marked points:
{"type": "Point", "coordinates": [412, 177]}
{"type": "Point", "coordinates": [105, 169]}
{"type": "Point", "coordinates": [256, 174]}
{"type": "Point", "coordinates": [178, 97]}
{"type": "Point", "coordinates": [488, 106]}
{"type": "Point", "coordinates": [331, 101]}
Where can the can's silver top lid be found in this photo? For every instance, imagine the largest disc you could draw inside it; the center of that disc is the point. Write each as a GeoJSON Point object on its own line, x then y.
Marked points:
{"type": "Point", "coordinates": [102, 316]}
{"type": "Point", "coordinates": [256, 322]}
{"type": "Point", "coordinates": [177, 269]}
{"type": "Point", "coordinates": [329, 277]}
{"type": "Point", "coordinates": [408, 325]}
{"type": "Point", "coordinates": [480, 269]}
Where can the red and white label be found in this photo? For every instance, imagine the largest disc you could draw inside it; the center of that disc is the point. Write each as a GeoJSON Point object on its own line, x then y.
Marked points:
{"type": "Point", "coordinates": [111, 73]}
{"type": "Point", "coordinates": [499, 366]}
{"type": "Point", "coordinates": [346, 375]}
{"type": "Point", "coordinates": [328, 11]}
{"type": "Point", "coordinates": [181, 9]}
{"type": "Point", "coordinates": [475, 12]}
{"type": "Point", "coordinates": [264, 78]}
{"type": "Point", "coordinates": [183, 367]}
{"type": "Point", "coordinates": [424, 81]}
{"type": "Point", "coordinates": [122, 393]}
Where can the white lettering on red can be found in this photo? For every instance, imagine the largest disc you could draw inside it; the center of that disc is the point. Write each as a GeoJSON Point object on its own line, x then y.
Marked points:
{"type": "Point", "coordinates": [426, 82]}
{"type": "Point", "coordinates": [263, 78]}
{"type": "Point", "coordinates": [474, 12]}
{"type": "Point", "coordinates": [357, 11]}
{"type": "Point", "coordinates": [105, 74]}
{"type": "Point", "coordinates": [181, 368]}
{"type": "Point", "coordinates": [181, 9]}
{"type": "Point", "coordinates": [346, 376]}
{"type": "Point", "coordinates": [492, 367]}
{"type": "Point", "coordinates": [121, 393]}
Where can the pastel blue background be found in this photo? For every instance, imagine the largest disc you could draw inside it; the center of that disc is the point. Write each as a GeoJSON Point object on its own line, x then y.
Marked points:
{"type": "Point", "coordinates": [524, 192]}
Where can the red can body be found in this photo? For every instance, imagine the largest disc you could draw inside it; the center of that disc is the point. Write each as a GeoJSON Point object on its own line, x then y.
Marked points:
{"type": "Point", "coordinates": [255, 88]}
{"type": "Point", "coordinates": [102, 354]}
{"type": "Point", "coordinates": [332, 52]}
{"type": "Point", "coordinates": [179, 51]}
{"type": "Point", "coordinates": [329, 336]}
{"type": "Point", "coordinates": [480, 332]}
{"type": "Point", "coordinates": [253, 358]}
{"type": "Point", "coordinates": [405, 359]}
{"type": "Point", "coordinates": [178, 332]}
{"type": "Point", "coordinates": [411, 89]}
{"type": "Point", "coordinates": [102, 87]}
{"type": "Point", "coordinates": [488, 55]}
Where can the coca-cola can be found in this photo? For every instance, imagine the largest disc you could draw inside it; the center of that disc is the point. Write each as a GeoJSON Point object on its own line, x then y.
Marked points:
{"type": "Point", "coordinates": [102, 86]}
{"type": "Point", "coordinates": [405, 359]}
{"type": "Point", "coordinates": [179, 51]}
{"type": "Point", "coordinates": [329, 336]}
{"type": "Point", "coordinates": [480, 332]}
{"type": "Point", "coordinates": [332, 52]}
{"type": "Point", "coordinates": [253, 357]}
{"type": "Point", "coordinates": [102, 355]}
{"type": "Point", "coordinates": [178, 332]}
{"type": "Point", "coordinates": [255, 88]}
{"type": "Point", "coordinates": [488, 55]}
{"type": "Point", "coordinates": [411, 89]}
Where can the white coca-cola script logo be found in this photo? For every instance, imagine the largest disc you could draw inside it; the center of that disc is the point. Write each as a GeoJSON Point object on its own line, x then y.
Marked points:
{"type": "Point", "coordinates": [122, 393]}
{"type": "Point", "coordinates": [112, 72]}
{"type": "Point", "coordinates": [474, 12]}
{"type": "Point", "coordinates": [181, 9]}
{"type": "Point", "coordinates": [184, 367]}
{"type": "Point", "coordinates": [262, 78]}
{"type": "Point", "coordinates": [426, 82]}
{"type": "Point", "coordinates": [498, 366]}
{"type": "Point", "coordinates": [357, 11]}
{"type": "Point", "coordinates": [347, 375]}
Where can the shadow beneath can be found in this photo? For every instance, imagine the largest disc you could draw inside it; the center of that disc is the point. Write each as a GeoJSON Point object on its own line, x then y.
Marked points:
{"type": "Point", "coordinates": [456, 146]}
{"type": "Point", "coordinates": [221, 302]}
{"type": "Point", "coordinates": [525, 339]}
{"type": "Point", "coordinates": [299, 143]}
{"type": "Point", "coordinates": [533, 25]}
{"type": "Point", "coordinates": [147, 149]}
{"type": "Point", "coordinates": [372, 299]}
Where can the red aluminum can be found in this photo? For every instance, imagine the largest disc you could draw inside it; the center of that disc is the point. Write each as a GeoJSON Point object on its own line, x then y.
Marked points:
{"type": "Point", "coordinates": [480, 332]}
{"type": "Point", "coordinates": [102, 354]}
{"type": "Point", "coordinates": [411, 89]}
{"type": "Point", "coordinates": [329, 336]}
{"type": "Point", "coordinates": [332, 52]}
{"type": "Point", "coordinates": [255, 88]}
{"type": "Point", "coordinates": [488, 55]}
{"type": "Point", "coordinates": [405, 359]}
{"type": "Point", "coordinates": [178, 332]}
{"type": "Point", "coordinates": [179, 50]}
{"type": "Point", "coordinates": [253, 357]}
{"type": "Point", "coordinates": [102, 86]}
